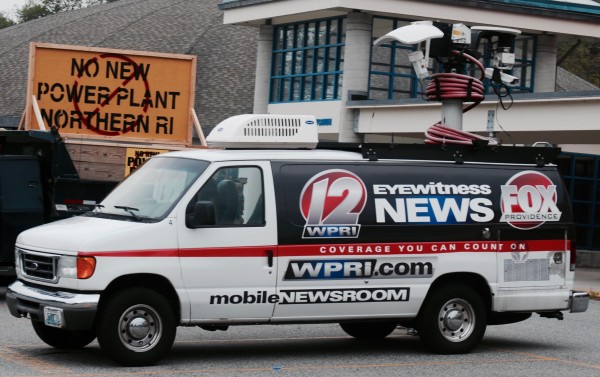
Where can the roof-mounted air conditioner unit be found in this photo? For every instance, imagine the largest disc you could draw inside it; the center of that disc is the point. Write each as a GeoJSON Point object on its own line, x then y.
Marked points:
{"type": "Point", "coordinates": [265, 131]}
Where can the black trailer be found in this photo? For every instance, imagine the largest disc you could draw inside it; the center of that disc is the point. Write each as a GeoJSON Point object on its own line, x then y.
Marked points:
{"type": "Point", "coordinates": [38, 184]}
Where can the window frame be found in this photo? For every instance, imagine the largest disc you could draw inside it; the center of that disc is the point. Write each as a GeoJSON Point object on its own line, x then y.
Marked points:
{"type": "Point", "coordinates": [391, 73]}
{"type": "Point", "coordinates": [286, 84]}
{"type": "Point", "coordinates": [588, 226]}
{"type": "Point", "coordinates": [261, 173]}
{"type": "Point", "coordinates": [523, 63]}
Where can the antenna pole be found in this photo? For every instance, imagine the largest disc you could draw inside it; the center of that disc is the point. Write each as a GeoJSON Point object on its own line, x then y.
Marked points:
{"type": "Point", "coordinates": [452, 113]}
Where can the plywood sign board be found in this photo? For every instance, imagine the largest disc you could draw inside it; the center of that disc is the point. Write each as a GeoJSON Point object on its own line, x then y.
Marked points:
{"type": "Point", "coordinates": [135, 158]}
{"type": "Point", "coordinates": [98, 93]}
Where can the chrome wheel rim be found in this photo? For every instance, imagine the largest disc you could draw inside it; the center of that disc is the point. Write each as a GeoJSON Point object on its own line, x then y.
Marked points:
{"type": "Point", "coordinates": [456, 320]}
{"type": "Point", "coordinates": [140, 328]}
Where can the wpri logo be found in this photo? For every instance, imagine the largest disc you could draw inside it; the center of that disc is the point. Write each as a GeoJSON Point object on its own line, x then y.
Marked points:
{"type": "Point", "coordinates": [331, 202]}
{"type": "Point", "coordinates": [529, 200]}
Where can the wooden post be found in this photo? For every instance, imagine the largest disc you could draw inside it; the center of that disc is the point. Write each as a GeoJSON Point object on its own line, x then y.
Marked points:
{"type": "Point", "coordinates": [38, 114]}
{"type": "Point", "coordinates": [22, 122]}
{"type": "Point", "coordinates": [198, 127]}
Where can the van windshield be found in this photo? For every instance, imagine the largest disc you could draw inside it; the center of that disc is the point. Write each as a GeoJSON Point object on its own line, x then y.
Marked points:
{"type": "Point", "coordinates": [151, 192]}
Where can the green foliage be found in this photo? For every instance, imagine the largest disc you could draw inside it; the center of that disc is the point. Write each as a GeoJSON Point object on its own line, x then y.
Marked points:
{"type": "Point", "coordinates": [5, 21]}
{"type": "Point", "coordinates": [583, 60]}
{"type": "Point", "coordinates": [41, 8]}
{"type": "Point", "coordinates": [57, 6]}
{"type": "Point", "coordinates": [31, 11]}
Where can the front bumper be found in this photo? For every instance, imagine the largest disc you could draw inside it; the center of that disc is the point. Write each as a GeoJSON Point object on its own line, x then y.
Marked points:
{"type": "Point", "coordinates": [579, 301]}
{"type": "Point", "coordinates": [79, 309]}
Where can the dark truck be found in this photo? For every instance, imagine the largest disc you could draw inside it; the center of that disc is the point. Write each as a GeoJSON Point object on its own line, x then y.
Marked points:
{"type": "Point", "coordinates": [38, 184]}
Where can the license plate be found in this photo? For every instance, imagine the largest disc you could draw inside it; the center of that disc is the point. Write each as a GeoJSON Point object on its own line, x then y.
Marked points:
{"type": "Point", "coordinates": [53, 317]}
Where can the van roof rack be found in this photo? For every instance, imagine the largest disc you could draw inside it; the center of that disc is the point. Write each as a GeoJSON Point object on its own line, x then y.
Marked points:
{"type": "Point", "coordinates": [458, 154]}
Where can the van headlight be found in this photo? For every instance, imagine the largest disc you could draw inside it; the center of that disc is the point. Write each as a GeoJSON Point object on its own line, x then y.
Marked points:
{"type": "Point", "coordinates": [81, 267]}
{"type": "Point", "coordinates": [17, 259]}
{"type": "Point", "coordinates": [67, 267]}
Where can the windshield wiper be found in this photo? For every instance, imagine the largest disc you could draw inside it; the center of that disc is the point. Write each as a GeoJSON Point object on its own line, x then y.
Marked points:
{"type": "Point", "coordinates": [130, 210]}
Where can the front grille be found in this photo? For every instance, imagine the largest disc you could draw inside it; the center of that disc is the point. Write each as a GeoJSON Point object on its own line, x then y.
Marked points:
{"type": "Point", "coordinates": [38, 266]}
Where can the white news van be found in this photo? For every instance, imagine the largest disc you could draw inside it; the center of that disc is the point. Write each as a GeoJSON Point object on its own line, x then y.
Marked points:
{"type": "Point", "coordinates": [445, 240]}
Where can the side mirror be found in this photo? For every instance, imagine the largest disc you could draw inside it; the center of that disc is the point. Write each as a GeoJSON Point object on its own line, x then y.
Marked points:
{"type": "Point", "coordinates": [203, 215]}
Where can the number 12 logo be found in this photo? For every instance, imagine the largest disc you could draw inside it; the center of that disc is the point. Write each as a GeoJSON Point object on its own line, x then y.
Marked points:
{"type": "Point", "coordinates": [331, 203]}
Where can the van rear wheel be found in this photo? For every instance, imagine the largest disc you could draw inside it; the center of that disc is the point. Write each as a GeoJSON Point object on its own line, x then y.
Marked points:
{"type": "Point", "coordinates": [452, 320]}
{"type": "Point", "coordinates": [368, 330]}
{"type": "Point", "coordinates": [136, 327]}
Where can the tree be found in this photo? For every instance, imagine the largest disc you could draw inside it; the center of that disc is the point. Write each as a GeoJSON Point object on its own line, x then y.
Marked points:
{"type": "Point", "coordinates": [31, 11]}
{"type": "Point", "coordinates": [57, 6]}
{"type": "Point", "coordinates": [5, 21]}
{"type": "Point", "coordinates": [42, 8]}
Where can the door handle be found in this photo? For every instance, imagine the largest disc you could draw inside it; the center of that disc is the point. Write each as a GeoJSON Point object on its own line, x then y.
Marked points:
{"type": "Point", "coordinates": [270, 258]}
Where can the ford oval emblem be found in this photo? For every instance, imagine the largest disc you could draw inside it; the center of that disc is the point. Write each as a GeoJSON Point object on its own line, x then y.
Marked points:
{"type": "Point", "coordinates": [309, 122]}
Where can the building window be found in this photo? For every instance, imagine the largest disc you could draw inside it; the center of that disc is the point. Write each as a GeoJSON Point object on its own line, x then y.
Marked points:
{"type": "Point", "coordinates": [581, 173]}
{"type": "Point", "coordinates": [524, 47]}
{"type": "Point", "coordinates": [391, 75]}
{"type": "Point", "coordinates": [307, 63]}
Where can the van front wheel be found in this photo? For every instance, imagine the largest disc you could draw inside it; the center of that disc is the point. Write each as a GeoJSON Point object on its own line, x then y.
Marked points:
{"type": "Point", "coordinates": [452, 320]}
{"type": "Point", "coordinates": [63, 339]}
{"type": "Point", "coordinates": [136, 327]}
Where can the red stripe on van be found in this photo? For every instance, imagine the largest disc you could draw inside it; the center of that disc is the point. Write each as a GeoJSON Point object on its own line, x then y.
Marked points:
{"type": "Point", "coordinates": [252, 251]}
{"type": "Point", "coordinates": [370, 249]}
{"type": "Point", "coordinates": [131, 253]}
{"type": "Point", "coordinates": [248, 251]}
{"type": "Point", "coordinates": [423, 248]}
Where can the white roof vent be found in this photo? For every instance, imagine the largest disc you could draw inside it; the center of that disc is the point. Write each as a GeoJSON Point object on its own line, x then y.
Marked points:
{"type": "Point", "coordinates": [265, 131]}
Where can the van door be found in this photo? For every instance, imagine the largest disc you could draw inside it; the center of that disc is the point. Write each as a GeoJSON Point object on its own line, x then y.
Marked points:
{"type": "Point", "coordinates": [227, 267]}
{"type": "Point", "coordinates": [539, 260]}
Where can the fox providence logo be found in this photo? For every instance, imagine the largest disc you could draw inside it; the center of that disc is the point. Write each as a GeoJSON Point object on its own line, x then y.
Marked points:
{"type": "Point", "coordinates": [529, 200]}
{"type": "Point", "coordinates": [331, 202]}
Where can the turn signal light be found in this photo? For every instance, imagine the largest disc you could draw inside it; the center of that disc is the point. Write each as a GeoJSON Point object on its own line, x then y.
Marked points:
{"type": "Point", "coordinates": [85, 267]}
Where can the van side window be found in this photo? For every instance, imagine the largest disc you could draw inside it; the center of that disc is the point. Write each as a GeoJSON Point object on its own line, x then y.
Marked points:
{"type": "Point", "coordinates": [236, 194]}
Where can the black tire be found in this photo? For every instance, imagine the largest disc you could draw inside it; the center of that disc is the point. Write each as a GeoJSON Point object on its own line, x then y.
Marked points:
{"type": "Point", "coordinates": [368, 330]}
{"type": "Point", "coordinates": [136, 327]}
{"type": "Point", "coordinates": [6, 281]}
{"type": "Point", "coordinates": [495, 318]}
{"type": "Point", "coordinates": [63, 339]}
{"type": "Point", "coordinates": [452, 320]}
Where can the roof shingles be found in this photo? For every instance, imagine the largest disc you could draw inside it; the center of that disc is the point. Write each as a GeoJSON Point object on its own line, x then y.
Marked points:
{"type": "Point", "coordinates": [226, 54]}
